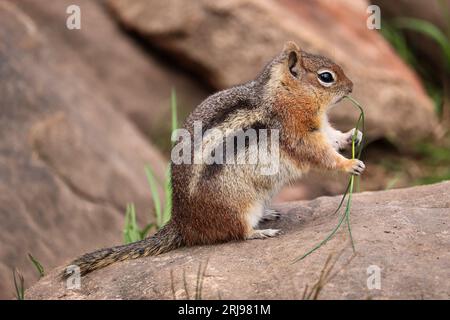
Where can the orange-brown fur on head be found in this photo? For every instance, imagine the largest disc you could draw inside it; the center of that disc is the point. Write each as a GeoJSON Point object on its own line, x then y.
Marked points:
{"type": "Point", "coordinates": [299, 71]}
{"type": "Point", "coordinates": [301, 101]}
{"type": "Point", "coordinates": [299, 95]}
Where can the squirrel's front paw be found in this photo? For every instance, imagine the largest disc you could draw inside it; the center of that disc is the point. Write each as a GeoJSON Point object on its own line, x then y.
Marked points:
{"type": "Point", "coordinates": [349, 137]}
{"type": "Point", "coordinates": [356, 167]}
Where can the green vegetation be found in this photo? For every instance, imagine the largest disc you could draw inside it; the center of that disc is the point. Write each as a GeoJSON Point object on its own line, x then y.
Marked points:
{"type": "Point", "coordinates": [313, 292]}
{"type": "Point", "coordinates": [394, 32]}
{"type": "Point", "coordinates": [201, 272]}
{"type": "Point", "coordinates": [19, 285]}
{"type": "Point", "coordinates": [436, 161]}
{"type": "Point", "coordinates": [132, 232]}
{"type": "Point", "coordinates": [430, 161]}
{"type": "Point", "coordinates": [38, 265]}
{"type": "Point", "coordinates": [356, 154]}
{"type": "Point", "coordinates": [431, 31]}
{"type": "Point", "coordinates": [19, 280]}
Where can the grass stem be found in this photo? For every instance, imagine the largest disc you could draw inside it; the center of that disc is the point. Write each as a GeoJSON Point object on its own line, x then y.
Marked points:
{"type": "Point", "coordinates": [356, 154]}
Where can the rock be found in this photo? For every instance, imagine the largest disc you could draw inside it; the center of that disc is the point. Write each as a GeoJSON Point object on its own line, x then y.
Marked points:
{"type": "Point", "coordinates": [70, 159]}
{"type": "Point", "coordinates": [404, 233]}
{"type": "Point", "coordinates": [228, 42]}
{"type": "Point", "coordinates": [138, 81]}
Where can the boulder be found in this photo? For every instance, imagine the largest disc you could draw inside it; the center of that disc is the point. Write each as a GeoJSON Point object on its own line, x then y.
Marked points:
{"type": "Point", "coordinates": [137, 79]}
{"type": "Point", "coordinates": [401, 236]}
{"type": "Point", "coordinates": [228, 42]}
{"type": "Point", "coordinates": [71, 157]}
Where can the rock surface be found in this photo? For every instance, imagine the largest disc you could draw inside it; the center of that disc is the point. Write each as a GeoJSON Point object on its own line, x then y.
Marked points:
{"type": "Point", "coordinates": [228, 42]}
{"type": "Point", "coordinates": [70, 158]}
{"type": "Point", "coordinates": [137, 81]}
{"type": "Point", "coordinates": [404, 232]}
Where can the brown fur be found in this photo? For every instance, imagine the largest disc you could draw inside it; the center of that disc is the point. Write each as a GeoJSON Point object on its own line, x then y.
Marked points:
{"type": "Point", "coordinates": [219, 203]}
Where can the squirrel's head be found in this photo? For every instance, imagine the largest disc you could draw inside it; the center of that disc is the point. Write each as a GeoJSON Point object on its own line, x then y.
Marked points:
{"type": "Point", "coordinates": [309, 78]}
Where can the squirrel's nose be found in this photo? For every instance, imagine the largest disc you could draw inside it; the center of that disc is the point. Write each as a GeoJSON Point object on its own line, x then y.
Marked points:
{"type": "Point", "coordinates": [350, 87]}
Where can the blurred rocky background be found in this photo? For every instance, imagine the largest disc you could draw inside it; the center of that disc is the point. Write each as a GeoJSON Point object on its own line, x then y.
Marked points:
{"type": "Point", "coordinates": [83, 111]}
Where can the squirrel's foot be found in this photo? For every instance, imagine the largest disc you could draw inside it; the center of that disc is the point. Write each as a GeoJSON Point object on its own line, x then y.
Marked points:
{"type": "Point", "coordinates": [270, 215]}
{"type": "Point", "coordinates": [348, 138]}
{"type": "Point", "coordinates": [263, 234]}
{"type": "Point", "coordinates": [355, 167]}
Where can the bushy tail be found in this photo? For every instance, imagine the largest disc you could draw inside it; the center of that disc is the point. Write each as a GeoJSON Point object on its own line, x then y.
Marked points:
{"type": "Point", "coordinates": [166, 239]}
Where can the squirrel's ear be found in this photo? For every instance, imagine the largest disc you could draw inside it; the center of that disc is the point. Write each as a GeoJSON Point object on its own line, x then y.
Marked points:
{"type": "Point", "coordinates": [291, 46]}
{"type": "Point", "coordinates": [294, 57]}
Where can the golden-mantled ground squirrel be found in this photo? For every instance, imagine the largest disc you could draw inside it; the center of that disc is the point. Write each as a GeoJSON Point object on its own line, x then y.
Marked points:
{"type": "Point", "coordinates": [214, 203]}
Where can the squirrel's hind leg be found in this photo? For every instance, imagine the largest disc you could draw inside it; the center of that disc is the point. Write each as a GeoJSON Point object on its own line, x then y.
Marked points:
{"type": "Point", "coordinates": [263, 234]}
{"type": "Point", "coordinates": [253, 217]}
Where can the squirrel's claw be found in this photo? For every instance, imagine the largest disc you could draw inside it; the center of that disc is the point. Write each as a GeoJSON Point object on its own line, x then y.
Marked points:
{"type": "Point", "coordinates": [358, 138]}
{"type": "Point", "coordinates": [357, 167]}
{"type": "Point", "coordinates": [350, 134]}
{"type": "Point", "coordinates": [263, 234]}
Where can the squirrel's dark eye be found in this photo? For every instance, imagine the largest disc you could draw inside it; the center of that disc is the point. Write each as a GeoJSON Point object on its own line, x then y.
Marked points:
{"type": "Point", "coordinates": [326, 78]}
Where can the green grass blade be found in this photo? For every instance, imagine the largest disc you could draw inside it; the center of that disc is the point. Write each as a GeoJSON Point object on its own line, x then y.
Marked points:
{"type": "Point", "coordinates": [135, 234]}
{"type": "Point", "coordinates": [37, 264]}
{"type": "Point", "coordinates": [155, 194]}
{"type": "Point", "coordinates": [356, 154]}
{"type": "Point", "coordinates": [332, 233]}
{"type": "Point", "coordinates": [127, 227]}
{"type": "Point", "coordinates": [397, 39]}
{"type": "Point", "coordinates": [131, 230]}
{"type": "Point", "coordinates": [446, 14]}
{"type": "Point", "coordinates": [19, 285]}
{"type": "Point", "coordinates": [334, 230]}
{"type": "Point", "coordinates": [347, 212]}
{"type": "Point", "coordinates": [168, 197]}
{"type": "Point", "coordinates": [168, 184]}
{"type": "Point", "coordinates": [430, 30]}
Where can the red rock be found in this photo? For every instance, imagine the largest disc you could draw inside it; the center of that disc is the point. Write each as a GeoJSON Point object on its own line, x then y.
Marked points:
{"type": "Point", "coordinates": [413, 258]}
{"type": "Point", "coordinates": [228, 42]}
